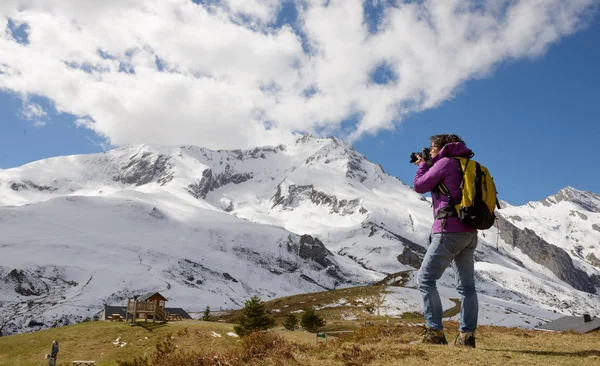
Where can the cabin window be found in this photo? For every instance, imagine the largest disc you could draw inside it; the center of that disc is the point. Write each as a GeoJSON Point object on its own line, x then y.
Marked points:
{"type": "Point", "coordinates": [161, 303]}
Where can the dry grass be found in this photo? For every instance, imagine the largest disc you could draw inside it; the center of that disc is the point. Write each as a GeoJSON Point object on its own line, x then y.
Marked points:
{"type": "Point", "coordinates": [385, 342]}
{"type": "Point", "coordinates": [368, 345]}
{"type": "Point", "coordinates": [388, 345]}
{"type": "Point", "coordinates": [255, 349]}
{"type": "Point", "coordinates": [94, 341]}
{"type": "Point", "coordinates": [361, 302]}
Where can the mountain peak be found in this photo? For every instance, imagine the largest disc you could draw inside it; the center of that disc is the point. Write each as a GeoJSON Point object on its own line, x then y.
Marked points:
{"type": "Point", "coordinates": [306, 138]}
{"type": "Point", "coordinates": [570, 190]}
{"type": "Point", "coordinates": [310, 138]}
{"type": "Point", "coordinates": [586, 200]}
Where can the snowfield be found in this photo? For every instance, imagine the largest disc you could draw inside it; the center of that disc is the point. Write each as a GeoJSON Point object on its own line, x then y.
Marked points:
{"type": "Point", "coordinates": [213, 228]}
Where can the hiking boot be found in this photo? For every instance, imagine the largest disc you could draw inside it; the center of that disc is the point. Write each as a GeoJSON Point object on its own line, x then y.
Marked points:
{"type": "Point", "coordinates": [431, 336]}
{"type": "Point", "coordinates": [465, 339]}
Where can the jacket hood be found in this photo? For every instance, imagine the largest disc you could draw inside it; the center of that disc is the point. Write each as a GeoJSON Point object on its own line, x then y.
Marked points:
{"type": "Point", "coordinates": [454, 149]}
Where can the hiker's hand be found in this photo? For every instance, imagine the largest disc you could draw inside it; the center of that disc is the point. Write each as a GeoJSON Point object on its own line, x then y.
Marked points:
{"type": "Point", "coordinates": [419, 160]}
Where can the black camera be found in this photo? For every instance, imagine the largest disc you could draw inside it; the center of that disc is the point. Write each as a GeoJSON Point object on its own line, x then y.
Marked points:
{"type": "Point", "coordinates": [424, 154]}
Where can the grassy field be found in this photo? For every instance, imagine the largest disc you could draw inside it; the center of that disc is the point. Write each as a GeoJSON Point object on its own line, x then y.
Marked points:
{"type": "Point", "coordinates": [94, 341]}
{"type": "Point", "coordinates": [385, 344]}
{"type": "Point", "coordinates": [383, 341]}
{"type": "Point", "coordinates": [361, 303]}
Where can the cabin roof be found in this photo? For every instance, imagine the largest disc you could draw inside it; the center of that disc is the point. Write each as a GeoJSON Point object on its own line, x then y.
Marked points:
{"type": "Point", "coordinates": [575, 323]}
{"type": "Point", "coordinates": [110, 310]}
{"type": "Point", "coordinates": [148, 295]}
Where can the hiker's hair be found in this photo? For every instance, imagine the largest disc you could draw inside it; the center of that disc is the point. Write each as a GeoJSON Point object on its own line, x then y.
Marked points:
{"type": "Point", "coordinates": [441, 140]}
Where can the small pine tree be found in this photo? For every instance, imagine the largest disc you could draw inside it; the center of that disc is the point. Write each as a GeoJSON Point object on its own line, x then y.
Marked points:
{"type": "Point", "coordinates": [254, 318]}
{"type": "Point", "coordinates": [311, 321]}
{"type": "Point", "coordinates": [206, 315]}
{"type": "Point", "coordinates": [291, 322]}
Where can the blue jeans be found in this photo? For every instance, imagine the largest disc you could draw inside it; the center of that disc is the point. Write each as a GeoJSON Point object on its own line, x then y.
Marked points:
{"type": "Point", "coordinates": [447, 248]}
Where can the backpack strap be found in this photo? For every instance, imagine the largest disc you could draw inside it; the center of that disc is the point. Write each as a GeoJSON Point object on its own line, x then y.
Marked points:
{"type": "Point", "coordinates": [477, 195]}
{"type": "Point", "coordinates": [443, 189]}
{"type": "Point", "coordinates": [450, 210]}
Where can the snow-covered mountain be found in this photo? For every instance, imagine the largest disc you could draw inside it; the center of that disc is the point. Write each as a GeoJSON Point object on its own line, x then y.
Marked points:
{"type": "Point", "coordinates": [213, 228]}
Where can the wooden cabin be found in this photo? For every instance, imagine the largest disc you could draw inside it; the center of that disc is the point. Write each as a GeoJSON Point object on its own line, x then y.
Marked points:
{"type": "Point", "coordinates": [153, 297]}
{"type": "Point", "coordinates": [149, 305]}
{"type": "Point", "coordinates": [118, 313]}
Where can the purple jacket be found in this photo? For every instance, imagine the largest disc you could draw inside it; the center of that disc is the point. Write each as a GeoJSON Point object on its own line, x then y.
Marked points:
{"type": "Point", "coordinates": [444, 169]}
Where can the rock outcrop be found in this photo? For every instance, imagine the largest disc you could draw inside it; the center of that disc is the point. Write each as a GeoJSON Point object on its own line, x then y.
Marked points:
{"type": "Point", "coordinates": [550, 256]}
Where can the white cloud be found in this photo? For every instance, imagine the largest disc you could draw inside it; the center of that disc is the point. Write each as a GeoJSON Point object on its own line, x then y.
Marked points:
{"type": "Point", "coordinates": [35, 113]}
{"type": "Point", "coordinates": [218, 75]}
{"type": "Point", "coordinates": [32, 111]}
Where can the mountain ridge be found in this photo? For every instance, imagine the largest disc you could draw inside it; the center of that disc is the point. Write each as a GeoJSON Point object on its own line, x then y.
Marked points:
{"type": "Point", "coordinates": [567, 193]}
{"type": "Point", "coordinates": [280, 220]}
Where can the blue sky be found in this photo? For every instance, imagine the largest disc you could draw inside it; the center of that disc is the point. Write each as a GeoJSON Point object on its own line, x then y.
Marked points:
{"type": "Point", "coordinates": [534, 124]}
{"type": "Point", "coordinates": [532, 121]}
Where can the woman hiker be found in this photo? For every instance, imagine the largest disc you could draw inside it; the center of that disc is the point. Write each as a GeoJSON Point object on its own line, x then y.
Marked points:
{"type": "Point", "coordinates": [451, 242]}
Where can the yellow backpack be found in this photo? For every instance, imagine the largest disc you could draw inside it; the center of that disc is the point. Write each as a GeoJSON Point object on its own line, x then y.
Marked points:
{"type": "Point", "coordinates": [479, 196]}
